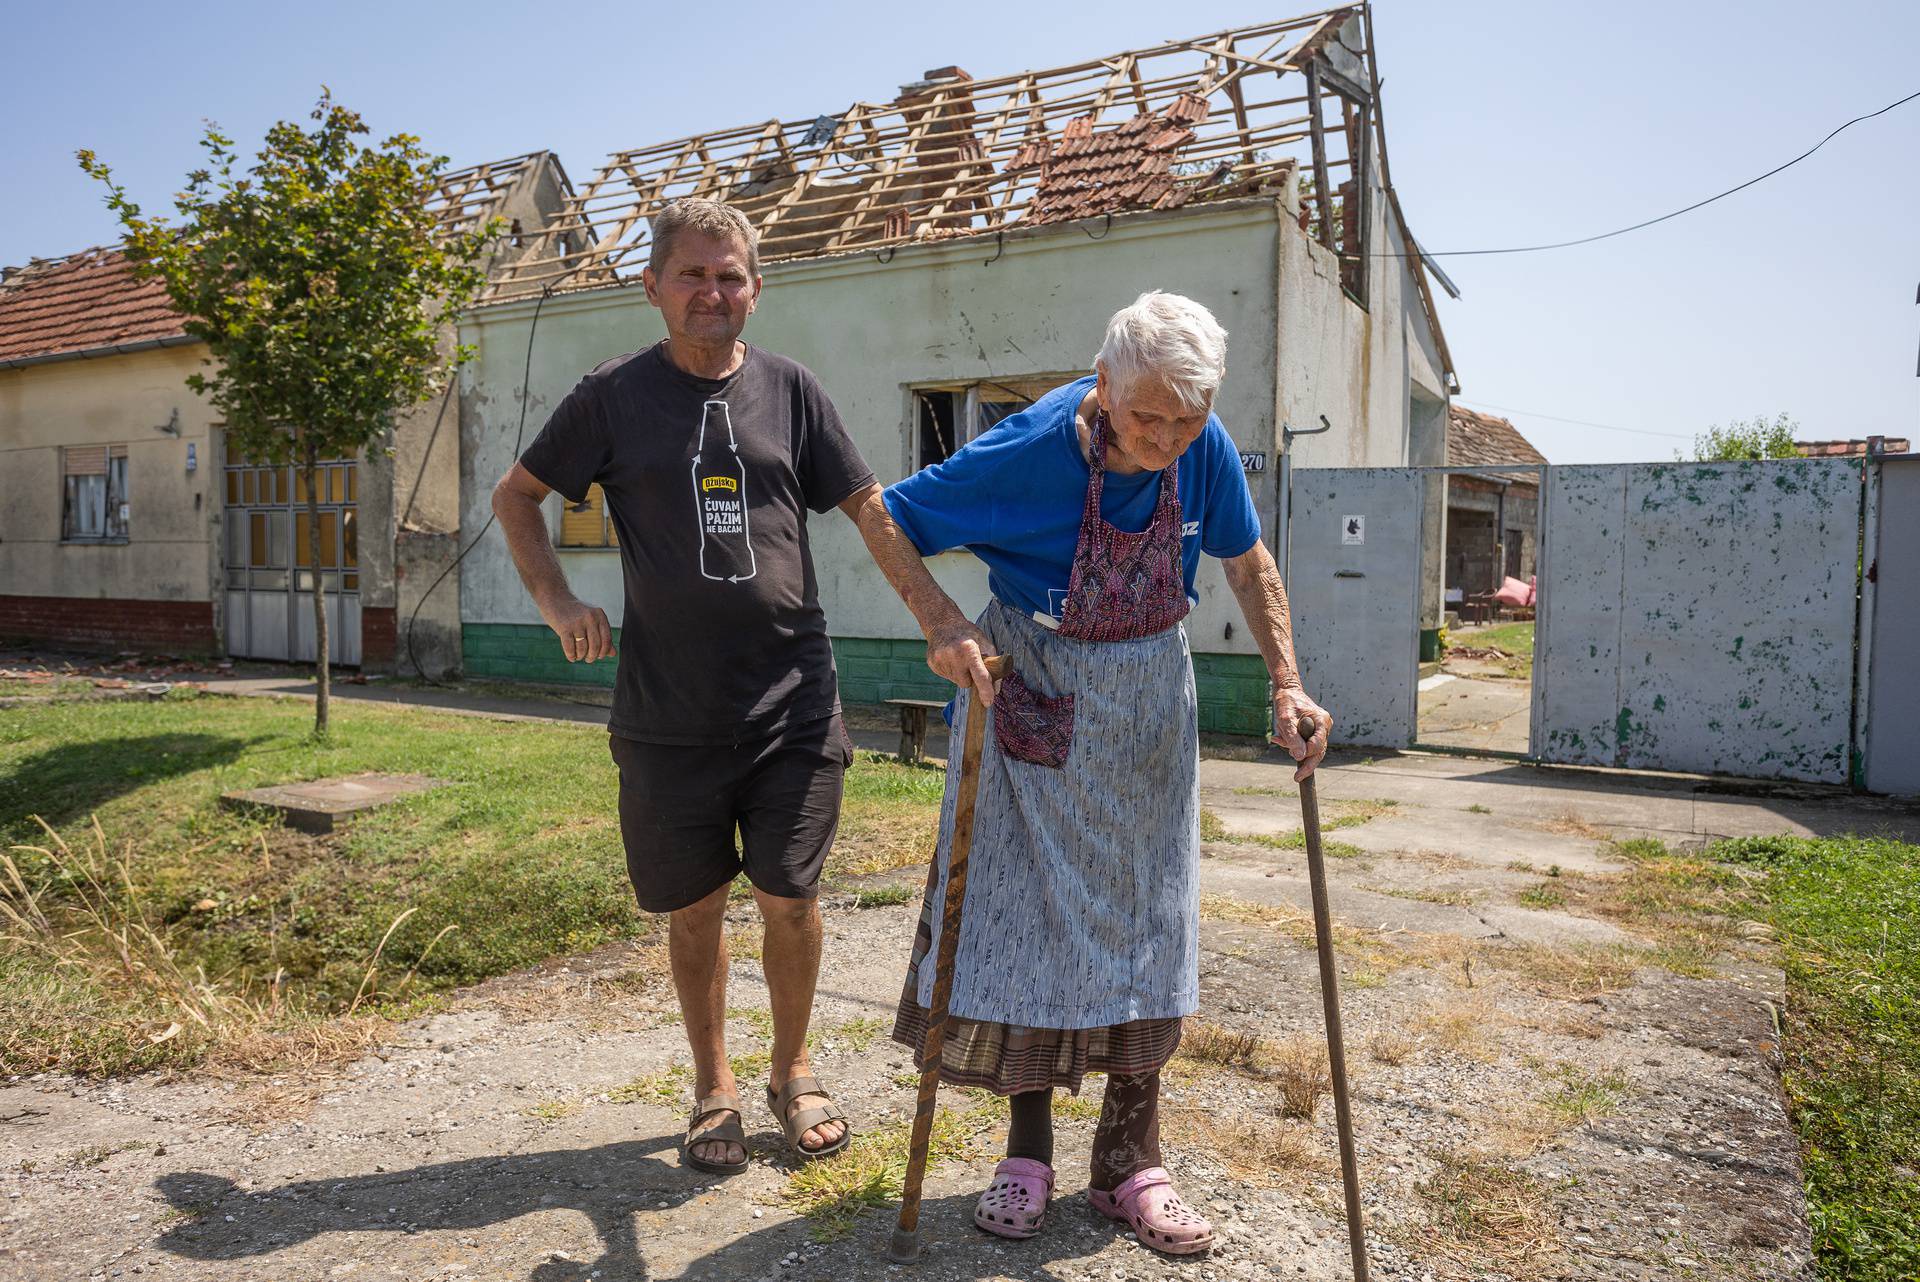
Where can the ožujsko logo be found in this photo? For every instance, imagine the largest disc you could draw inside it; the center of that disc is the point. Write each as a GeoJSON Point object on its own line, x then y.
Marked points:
{"type": "Point", "coordinates": [718, 483]}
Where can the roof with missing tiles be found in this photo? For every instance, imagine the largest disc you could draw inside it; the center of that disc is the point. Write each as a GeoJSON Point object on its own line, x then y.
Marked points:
{"type": "Point", "coordinates": [1485, 440]}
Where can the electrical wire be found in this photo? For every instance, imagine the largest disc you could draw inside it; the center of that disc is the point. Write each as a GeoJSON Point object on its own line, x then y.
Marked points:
{"type": "Point", "coordinates": [526, 391]}
{"type": "Point", "coordinates": [1698, 204]}
{"type": "Point", "coordinates": [1605, 427]}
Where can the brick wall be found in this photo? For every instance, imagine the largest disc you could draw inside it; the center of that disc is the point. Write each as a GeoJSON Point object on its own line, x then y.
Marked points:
{"type": "Point", "coordinates": [377, 643]}
{"type": "Point", "coordinates": [1232, 687]}
{"type": "Point", "coordinates": [93, 623]}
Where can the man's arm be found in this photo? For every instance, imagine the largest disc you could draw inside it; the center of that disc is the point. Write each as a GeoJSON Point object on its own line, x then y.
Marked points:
{"type": "Point", "coordinates": [955, 647]}
{"type": "Point", "coordinates": [1256, 584]}
{"type": "Point", "coordinates": [583, 630]}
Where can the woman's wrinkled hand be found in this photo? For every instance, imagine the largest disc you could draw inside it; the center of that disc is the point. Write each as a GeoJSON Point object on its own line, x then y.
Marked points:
{"type": "Point", "coordinates": [958, 651]}
{"type": "Point", "coordinates": [1291, 706]}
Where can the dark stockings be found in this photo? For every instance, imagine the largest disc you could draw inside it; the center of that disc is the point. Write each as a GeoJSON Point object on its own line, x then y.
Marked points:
{"type": "Point", "coordinates": [1128, 1139]}
{"type": "Point", "coordinates": [1030, 1133]}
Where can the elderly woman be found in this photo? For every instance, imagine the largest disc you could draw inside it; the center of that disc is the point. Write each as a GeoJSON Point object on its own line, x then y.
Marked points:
{"type": "Point", "coordinates": [1078, 949]}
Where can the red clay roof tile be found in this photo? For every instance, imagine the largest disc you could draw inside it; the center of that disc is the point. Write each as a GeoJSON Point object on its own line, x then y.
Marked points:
{"type": "Point", "coordinates": [87, 300]}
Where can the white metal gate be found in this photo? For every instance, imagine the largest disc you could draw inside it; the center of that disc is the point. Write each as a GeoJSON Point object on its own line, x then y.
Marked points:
{"type": "Point", "coordinates": [1353, 578]}
{"type": "Point", "coordinates": [1700, 617]}
{"type": "Point", "coordinates": [269, 586]}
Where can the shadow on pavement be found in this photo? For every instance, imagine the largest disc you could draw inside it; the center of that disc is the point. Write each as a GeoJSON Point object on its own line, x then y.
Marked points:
{"type": "Point", "coordinates": [609, 1184]}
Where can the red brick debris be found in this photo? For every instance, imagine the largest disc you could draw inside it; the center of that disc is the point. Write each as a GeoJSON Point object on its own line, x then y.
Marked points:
{"type": "Point", "coordinates": [82, 302]}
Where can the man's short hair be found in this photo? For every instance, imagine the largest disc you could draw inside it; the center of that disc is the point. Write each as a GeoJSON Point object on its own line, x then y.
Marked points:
{"type": "Point", "coordinates": [707, 216]}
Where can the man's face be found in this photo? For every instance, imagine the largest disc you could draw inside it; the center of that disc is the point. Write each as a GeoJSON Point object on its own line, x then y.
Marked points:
{"type": "Point", "coordinates": [1150, 424]}
{"type": "Point", "coordinates": [705, 291]}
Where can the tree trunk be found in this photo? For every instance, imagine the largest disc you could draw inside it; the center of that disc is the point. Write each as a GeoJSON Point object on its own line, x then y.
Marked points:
{"type": "Point", "coordinates": [321, 678]}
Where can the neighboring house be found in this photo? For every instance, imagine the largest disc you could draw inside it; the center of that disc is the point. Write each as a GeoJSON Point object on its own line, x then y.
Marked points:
{"type": "Point", "coordinates": [1492, 517]}
{"type": "Point", "coordinates": [1856, 448]}
{"type": "Point", "coordinates": [123, 525]}
{"type": "Point", "coordinates": [941, 258]}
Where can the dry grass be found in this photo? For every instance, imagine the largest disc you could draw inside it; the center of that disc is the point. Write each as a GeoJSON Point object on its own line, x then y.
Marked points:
{"type": "Point", "coordinates": [1300, 1072]}
{"type": "Point", "coordinates": [1444, 896]}
{"type": "Point", "coordinates": [146, 1005]}
{"type": "Point", "coordinates": [1483, 1214]}
{"type": "Point", "coordinates": [1391, 1046]}
{"type": "Point", "coordinates": [1204, 1043]}
{"type": "Point", "coordinates": [1568, 824]}
{"type": "Point", "coordinates": [1581, 1026]}
{"type": "Point", "coordinates": [1463, 1029]}
{"type": "Point", "coordinates": [1257, 1152]}
{"type": "Point", "coordinates": [1567, 974]}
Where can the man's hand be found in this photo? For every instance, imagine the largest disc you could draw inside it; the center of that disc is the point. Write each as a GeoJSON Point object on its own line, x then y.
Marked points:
{"type": "Point", "coordinates": [957, 652]}
{"type": "Point", "coordinates": [583, 629]}
{"type": "Point", "coordinates": [1290, 706]}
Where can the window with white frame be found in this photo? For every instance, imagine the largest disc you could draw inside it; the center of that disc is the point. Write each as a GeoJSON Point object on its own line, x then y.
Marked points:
{"type": "Point", "coordinates": [94, 494]}
{"type": "Point", "coordinates": [948, 415]}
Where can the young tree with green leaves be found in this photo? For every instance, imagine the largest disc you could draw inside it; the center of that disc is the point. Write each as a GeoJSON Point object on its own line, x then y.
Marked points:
{"type": "Point", "coordinates": [1739, 441]}
{"type": "Point", "coordinates": [320, 282]}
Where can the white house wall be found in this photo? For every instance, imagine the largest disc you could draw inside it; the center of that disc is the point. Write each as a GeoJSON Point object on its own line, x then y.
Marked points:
{"type": "Point", "coordinates": [873, 325]}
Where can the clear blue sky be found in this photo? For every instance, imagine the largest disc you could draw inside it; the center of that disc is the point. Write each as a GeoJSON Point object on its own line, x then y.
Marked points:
{"type": "Point", "coordinates": [1507, 123]}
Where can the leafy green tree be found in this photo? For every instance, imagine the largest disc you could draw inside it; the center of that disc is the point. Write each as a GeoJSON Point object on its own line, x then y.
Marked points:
{"type": "Point", "coordinates": [320, 282]}
{"type": "Point", "coordinates": [1756, 439]}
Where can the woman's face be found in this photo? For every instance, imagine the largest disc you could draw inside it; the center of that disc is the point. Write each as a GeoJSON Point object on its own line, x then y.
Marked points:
{"type": "Point", "coordinates": [1150, 424]}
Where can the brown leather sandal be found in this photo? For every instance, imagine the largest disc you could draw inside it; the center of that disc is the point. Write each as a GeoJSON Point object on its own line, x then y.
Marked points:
{"type": "Point", "coordinates": [727, 1132]}
{"type": "Point", "coordinates": [798, 1124]}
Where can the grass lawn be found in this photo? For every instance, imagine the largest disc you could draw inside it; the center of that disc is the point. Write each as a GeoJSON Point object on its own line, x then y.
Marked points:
{"type": "Point", "coordinates": [1847, 914]}
{"type": "Point", "coordinates": [517, 859]}
{"type": "Point", "coordinates": [1512, 639]}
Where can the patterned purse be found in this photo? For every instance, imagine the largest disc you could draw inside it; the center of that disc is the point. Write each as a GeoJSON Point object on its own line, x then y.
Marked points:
{"type": "Point", "coordinates": [1030, 726]}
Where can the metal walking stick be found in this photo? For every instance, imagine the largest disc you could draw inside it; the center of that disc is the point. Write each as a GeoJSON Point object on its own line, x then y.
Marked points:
{"type": "Point", "coordinates": [1330, 998]}
{"type": "Point", "coordinates": [905, 1247]}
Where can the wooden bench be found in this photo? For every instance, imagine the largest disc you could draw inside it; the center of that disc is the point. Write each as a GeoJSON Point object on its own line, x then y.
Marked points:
{"type": "Point", "coordinates": [913, 727]}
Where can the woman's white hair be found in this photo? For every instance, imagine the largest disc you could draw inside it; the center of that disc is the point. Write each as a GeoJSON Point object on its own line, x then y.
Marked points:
{"type": "Point", "coordinates": [1171, 339]}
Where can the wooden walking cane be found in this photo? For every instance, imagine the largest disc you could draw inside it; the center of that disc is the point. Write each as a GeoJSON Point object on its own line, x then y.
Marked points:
{"type": "Point", "coordinates": [1330, 998]}
{"type": "Point", "coordinates": [905, 1248]}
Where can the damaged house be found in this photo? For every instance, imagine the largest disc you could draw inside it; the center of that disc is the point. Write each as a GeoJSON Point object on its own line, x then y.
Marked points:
{"type": "Point", "coordinates": [940, 258]}
{"type": "Point", "coordinates": [126, 525]}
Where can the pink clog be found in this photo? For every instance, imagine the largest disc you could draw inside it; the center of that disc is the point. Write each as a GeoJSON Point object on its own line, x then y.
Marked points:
{"type": "Point", "coordinates": [1016, 1201]}
{"type": "Point", "coordinates": [1146, 1201]}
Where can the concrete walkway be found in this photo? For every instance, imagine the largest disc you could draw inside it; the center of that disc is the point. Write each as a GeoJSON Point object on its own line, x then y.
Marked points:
{"type": "Point", "coordinates": [1543, 1088]}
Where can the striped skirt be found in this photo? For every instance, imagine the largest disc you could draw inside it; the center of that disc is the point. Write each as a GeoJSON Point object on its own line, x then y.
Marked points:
{"type": "Point", "coordinates": [1010, 1060]}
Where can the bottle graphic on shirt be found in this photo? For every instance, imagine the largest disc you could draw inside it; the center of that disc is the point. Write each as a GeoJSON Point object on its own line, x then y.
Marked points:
{"type": "Point", "coordinates": [720, 497]}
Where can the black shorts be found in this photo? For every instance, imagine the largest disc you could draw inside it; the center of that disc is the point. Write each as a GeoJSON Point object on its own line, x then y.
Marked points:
{"type": "Point", "coordinates": [681, 803]}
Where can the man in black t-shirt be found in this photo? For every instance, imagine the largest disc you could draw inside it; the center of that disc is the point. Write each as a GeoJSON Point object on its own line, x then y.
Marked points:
{"type": "Point", "coordinates": [726, 710]}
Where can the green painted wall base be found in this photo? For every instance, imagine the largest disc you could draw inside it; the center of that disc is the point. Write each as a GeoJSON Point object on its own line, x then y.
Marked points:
{"type": "Point", "coordinates": [1233, 687]}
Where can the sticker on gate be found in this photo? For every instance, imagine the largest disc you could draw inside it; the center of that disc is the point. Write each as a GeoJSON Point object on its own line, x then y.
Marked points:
{"type": "Point", "coordinates": [1353, 529]}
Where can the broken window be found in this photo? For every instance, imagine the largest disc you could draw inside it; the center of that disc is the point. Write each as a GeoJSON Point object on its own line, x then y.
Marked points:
{"type": "Point", "coordinates": [94, 494]}
{"type": "Point", "coordinates": [947, 416]}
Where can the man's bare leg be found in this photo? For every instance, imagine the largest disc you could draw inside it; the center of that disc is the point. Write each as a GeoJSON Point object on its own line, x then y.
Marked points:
{"type": "Point", "coordinates": [790, 958]}
{"type": "Point", "coordinates": [697, 949]}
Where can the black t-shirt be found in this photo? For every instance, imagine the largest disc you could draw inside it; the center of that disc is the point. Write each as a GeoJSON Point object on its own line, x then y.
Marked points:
{"type": "Point", "coordinates": [708, 482]}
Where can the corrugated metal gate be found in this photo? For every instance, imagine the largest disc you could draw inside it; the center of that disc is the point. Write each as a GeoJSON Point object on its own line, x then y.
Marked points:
{"type": "Point", "coordinates": [1694, 617]}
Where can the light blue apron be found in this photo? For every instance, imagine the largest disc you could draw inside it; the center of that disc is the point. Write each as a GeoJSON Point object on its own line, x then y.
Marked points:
{"type": "Point", "coordinates": [1082, 900]}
